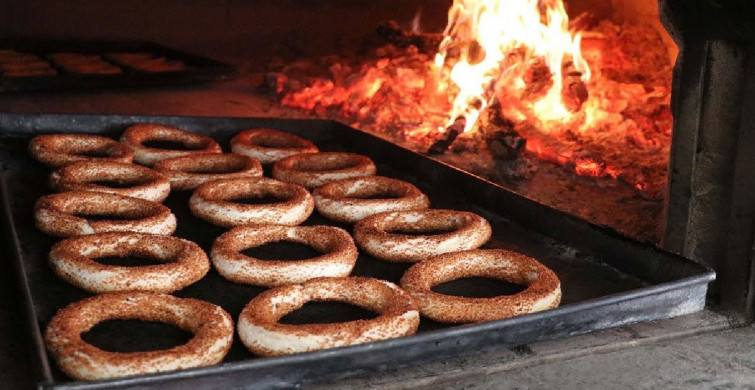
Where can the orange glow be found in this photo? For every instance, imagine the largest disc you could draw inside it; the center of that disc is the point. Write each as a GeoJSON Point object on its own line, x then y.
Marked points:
{"type": "Point", "coordinates": [596, 100]}
{"type": "Point", "coordinates": [490, 44]}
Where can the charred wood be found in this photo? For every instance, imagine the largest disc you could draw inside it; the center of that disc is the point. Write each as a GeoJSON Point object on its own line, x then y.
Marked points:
{"type": "Point", "coordinates": [393, 33]}
{"type": "Point", "coordinates": [506, 144]}
{"type": "Point", "coordinates": [585, 21]}
{"type": "Point", "coordinates": [500, 135]}
{"type": "Point", "coordinates": [452, 132]}
{"type": "Point", "coordinates": [573, 90]}
{"type": "Point", "coordinates": [538, 80]}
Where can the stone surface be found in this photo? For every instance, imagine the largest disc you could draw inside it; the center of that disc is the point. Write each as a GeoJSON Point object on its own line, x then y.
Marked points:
{"type": "Point", "coordinates": [694, 350]}
{"type": "Point", "coordinates": [720, 360]}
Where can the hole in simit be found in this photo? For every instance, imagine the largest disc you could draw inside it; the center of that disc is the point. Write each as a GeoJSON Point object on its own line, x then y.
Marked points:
{"type": "Point", "coordinates": [264, 199]}
{"type": "Point", "coordinates": [135, 336]}
{"type": "Point", "coordinates": [282, 250]}
{"type": "Point", "coordinates": [121, 183]}
{"type": "Point", "coordinates": [126, 261]}
{"type": "Point", "coordinates": [478, 287]}
{"type": "Point", "coordinates": [422, 232]}
{"type": "Point", "coordinates": [170, 145]}
{"type": "Point", "coordinates": [316, 312]}
{"type": "Point", "coordinates": [95, 153]}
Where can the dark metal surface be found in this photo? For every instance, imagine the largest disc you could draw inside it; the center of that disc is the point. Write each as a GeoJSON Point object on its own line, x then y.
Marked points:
{"type": "Point", "coordinates": [607, 280]}
{"type": "Point", "coordinates": [198, 68]}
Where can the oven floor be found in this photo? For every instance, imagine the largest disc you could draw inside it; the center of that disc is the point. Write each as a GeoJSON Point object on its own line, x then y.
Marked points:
{"type": "Point", "coordinates": [699, 350]}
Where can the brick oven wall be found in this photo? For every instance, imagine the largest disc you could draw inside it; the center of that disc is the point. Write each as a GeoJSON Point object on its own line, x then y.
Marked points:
{"type": "Point", "coordinates": [237, 27]}
{"type": "Point", "coordinates": [218, 27]}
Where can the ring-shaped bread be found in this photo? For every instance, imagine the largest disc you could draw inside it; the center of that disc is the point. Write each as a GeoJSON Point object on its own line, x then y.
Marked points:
{"type": "Point", "coordinates": [181, 262]}
{"type": "Point", "coordinates": [312, 170]}
{"type": "Point", "coordinates": [60, 149]}
{"type": "Point", "coordinates": [381, 236]}
{"type": "Point", "coordinates": [263, 334]}
{"type": "Point", "coordinates": [189, 172]}
{"type": "Point", "coordinates": [211, 325]}
{"type": "Point", "coordinates": [543, 289]}
{"type": "Point", "coordinates": [214, 202]}
{"type": "Point", "coordinates": [339, 254]}
{"type": "Point", "coordinates": [76, 213]}
{"type": "Point", "coordinates": [269, 146]}
{"type": "Point", "coordinates": [351, 200]}
{"type": "Point", "coordinates": [135, 136]}
{"type": "Point", "coordinates": [112, 177]}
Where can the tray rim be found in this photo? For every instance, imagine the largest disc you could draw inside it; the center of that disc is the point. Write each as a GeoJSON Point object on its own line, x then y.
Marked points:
{"type": "Point", "coordinates": [706, 275]}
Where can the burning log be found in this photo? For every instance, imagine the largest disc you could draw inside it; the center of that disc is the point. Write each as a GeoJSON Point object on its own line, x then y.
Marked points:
{"type": "Point", "coordinates": [441, 145]}
{"type": "Point", "coordinates": [393, 33]}
{"type": "Point", "coordinates": [573, 91]}
{"type": "Point", "coordinates": [585, 21]}
{"type": "Point", "coordinates": [506, 144]}
{"type": "Point", "coordinates": [538, 80]}
{"type": "Point", "coordinates": [500, 135]}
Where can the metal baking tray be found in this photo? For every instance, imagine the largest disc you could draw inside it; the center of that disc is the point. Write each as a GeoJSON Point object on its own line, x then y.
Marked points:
{"type": "Point", "coordinates": [608, 280]}
{"type": "Point", "coordinates": [198, 68]}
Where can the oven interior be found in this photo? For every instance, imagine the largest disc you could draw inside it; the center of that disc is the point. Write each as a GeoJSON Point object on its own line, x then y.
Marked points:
{"type": "Point", "coordinates": [676, 96]}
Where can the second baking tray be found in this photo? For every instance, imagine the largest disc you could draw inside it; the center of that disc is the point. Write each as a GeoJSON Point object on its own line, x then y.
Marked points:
{"type": "Point", "coordinates": [198, 69]}
{"type": "Point", "coordinates": [607, 279]}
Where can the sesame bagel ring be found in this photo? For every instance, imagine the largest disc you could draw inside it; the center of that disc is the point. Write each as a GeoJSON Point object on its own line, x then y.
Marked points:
{"type": "Point", "coordinates": [380, 234]}
{"type": "Point", "coordinates": [135, 136]}
{"type": "Point", "coordinates": [262, 334]}
{"type": "Point", "coordinates": [543, 289]}
{"type": "Point", "coordinates": [211, 325]}
{"type": "Point", "coordinates": [112, 177]}
{"type": "Point", "coordinates": [213, 202]}
{"type": "Point", "coordinates": [351, 200]}
{"type": "Point", "coordinates": [339, 254]}
{"type": "Point", "coordinates": [60, 149]}
{"type": "Point", "coordinates": [189, 172]}
{"type": "Point", "coordinates": [182, 262]}
{"type": "Point", "coordinates": [71, 214]}
{"type": "Point", "coordinates": [268, 146]}
{"type": "Point", "coordinates": [312, 170]}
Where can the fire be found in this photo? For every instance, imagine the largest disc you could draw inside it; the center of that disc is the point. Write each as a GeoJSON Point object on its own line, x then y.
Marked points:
{"type": "Point", "coordinates": [590, 95]}
{"type": "Point", "coordinates": [490, 45]}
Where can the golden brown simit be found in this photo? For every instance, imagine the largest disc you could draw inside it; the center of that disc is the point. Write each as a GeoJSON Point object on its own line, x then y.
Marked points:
{"type": "Point", "coordinates": [339, 254]}
{"type": "Point", "coordinates": [351, 200]}
{"type": "Point", "coordinates": [189, 172]}
{"type": "Point", "coordinates": [398, 235]}
{"type": "Point", "coordinates": [135, 136]}
{"type": "Point", "coordinates": [73, 214]}
{"type": "Point", "coordinates": [312, 170]}
{"type": "Point", "coordinates": [543, 289]}
{"type": "Point", "coordinates": [60, 149]}
{"type": "Point", "coordinates": [112, 177]}
{"type": "Point", "coordinates": [262, 334]}
{"type": "Point", "coordinates": [269, 146]}
{"type": "Point", "coordinates": [211, 325]}
{"type": "Point", "coordinates": [180, 262]}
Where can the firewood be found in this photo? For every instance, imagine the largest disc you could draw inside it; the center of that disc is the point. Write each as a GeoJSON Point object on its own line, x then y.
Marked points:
{"type": "Point", "coordinates": [441, 145]}
{"type": "Point", "coordinates": [393, 33]}
{"type": "Point", "coordinates": [573, 90]}
{"type": "Point", "coordinates": [506, 145]}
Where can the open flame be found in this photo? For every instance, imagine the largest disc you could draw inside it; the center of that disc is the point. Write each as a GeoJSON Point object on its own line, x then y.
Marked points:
{"type": "Point", "coordinates": [611, 119]}
{"type": "Point", "coordinates": [490, 45]}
